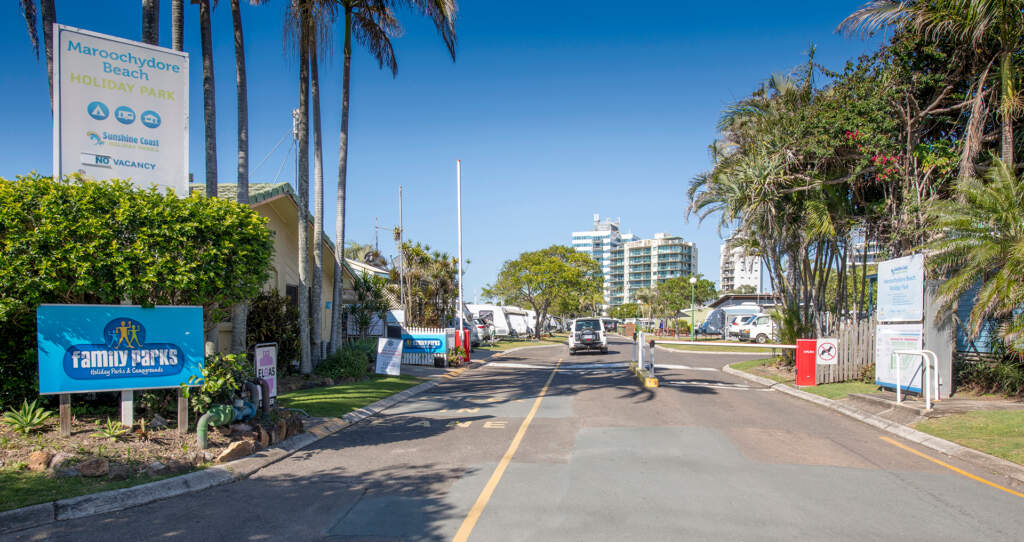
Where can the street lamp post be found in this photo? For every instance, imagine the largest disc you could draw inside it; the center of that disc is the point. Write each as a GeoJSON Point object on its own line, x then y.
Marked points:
{"type": "Point", "coordinates": [693, 331]}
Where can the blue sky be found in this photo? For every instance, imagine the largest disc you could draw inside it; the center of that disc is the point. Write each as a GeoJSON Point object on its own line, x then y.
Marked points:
{"type": "Point", "coordinates": [559, 112]}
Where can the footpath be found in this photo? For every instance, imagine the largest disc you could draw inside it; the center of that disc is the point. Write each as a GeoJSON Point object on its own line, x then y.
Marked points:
{"type": "Point", "coordinates": [881, 410]}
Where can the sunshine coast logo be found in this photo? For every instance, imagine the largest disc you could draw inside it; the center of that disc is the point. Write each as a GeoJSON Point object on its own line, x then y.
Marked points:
{"type": "Point", "coordinates": [94, 138]}
{"type": "Point", "coordinates": [123, 352]}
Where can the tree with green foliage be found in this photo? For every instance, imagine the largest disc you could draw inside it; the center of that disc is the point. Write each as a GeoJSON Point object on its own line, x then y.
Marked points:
{"type": "Point", "coordinates": [430, 284]}
{"type": "Point", "coordinates": [675, 293]}
{"type": "Point", "coordinates": [89, 242]}
{"type": "Point", "coordinates": [626, 310]}
{"type": "Point", "coordinates": [745, 289]}
{"type": "Point", "coordinates": [370, 302]}
{"type": "Point", "coordinates": [554, 276]}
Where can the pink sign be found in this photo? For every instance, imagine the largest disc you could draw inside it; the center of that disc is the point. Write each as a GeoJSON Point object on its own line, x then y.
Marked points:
{"type": "Point", "coordinates": [266, 365]}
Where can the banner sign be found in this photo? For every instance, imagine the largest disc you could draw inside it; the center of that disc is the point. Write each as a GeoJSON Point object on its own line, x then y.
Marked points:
{"type": "Point", "coordinates": [120, 110]}
{"type": "Point", "coordinates": [90, 348]}
{"type": "Point", "coordinates": [266, 365]}
{"type": "Point", "coordinates": [889, 339]}
{"type": "Point", "coordinates": [901, 289]}
{"type": "Point", "coordinates": [425, 343]}
{"type": "Point", "coordinates": [389, 357]}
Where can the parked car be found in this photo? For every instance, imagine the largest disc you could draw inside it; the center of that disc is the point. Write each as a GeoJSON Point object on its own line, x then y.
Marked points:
{"type": "Point", "coordinates": [587, 334]}
{"type": "Point", "coordinates": [485, 332]}
{"type": "Point", "coordinates": [468, 325]}
{"type": "Point", "coordinates": [761, 328]}
{"type": "Point", "coordinates": [733, 331]}
{"type": "Point", "coordinates": [609, 324]}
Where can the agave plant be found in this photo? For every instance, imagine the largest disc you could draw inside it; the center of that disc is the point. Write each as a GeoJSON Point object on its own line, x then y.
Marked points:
{"type": "Point", "coordinates": [28, 418]}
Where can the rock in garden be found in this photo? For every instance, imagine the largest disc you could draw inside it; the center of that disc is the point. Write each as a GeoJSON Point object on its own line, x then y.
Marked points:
{"type": "Point", "coordinates": [176, 467]}
{"type": "Point", "coordinates": [60, 460]}
{"type": "Point", "coordinates": [240, 428]}
{"type": "Point", "coordinates": [156, 468]}
{"type": "Point", "coordinates": [96, 466]}
{"type": "Point", "coordinates": [280, 430]}
{"type": "Point", "coordinates": [158, 422]}
{"type": "Point", "coordinates": [264, 436]}
{"type": "Point", "coordinates": [223, 430]}
{"type": "Point", "coordinates": [119, 472]}
{"type": "Point", "coordinates": [236, 450]}
{"type": "Point", "coordinates": [69, 472]}
{"type": "Point", "coordinates": [39, 460]}
{"type": "Point", "coordinates": [294, 426]}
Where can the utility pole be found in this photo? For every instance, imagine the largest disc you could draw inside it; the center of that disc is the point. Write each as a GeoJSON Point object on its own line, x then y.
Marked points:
{"type": "Point", "coordinates": [458, 201]}
{"type": "Point", "coordinates": [401, 257]}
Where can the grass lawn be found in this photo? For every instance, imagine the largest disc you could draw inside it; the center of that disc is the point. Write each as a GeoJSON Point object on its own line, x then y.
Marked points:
{"type": "Point", "coordinates": [20, 488]}
{"type": "Point", "coordinates": [841, 389]}
{"type": "Point", "coordinates": [336, 401]}
{"type": "Point", "coordinates": [999, 433]}
{"type": "Point", "coordinates": [715, 348]}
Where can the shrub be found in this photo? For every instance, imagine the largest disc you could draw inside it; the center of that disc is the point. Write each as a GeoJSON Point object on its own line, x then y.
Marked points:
{"type": "Point", "coordinates": [273, 318]}
{"type": "Point", "coordinates": [223, 375]}
{"type": "Point", "coordinates": [350, 361]}
{"type": "Point", "coordinates": [26, 419]}
{"type": "Point", "coordinates": [82, 241]}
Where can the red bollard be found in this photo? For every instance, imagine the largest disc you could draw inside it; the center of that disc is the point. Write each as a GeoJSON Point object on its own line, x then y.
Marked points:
{"type": "Point", "coordinates": [806, 350]}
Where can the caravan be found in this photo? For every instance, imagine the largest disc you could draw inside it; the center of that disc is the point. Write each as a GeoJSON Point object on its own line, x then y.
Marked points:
{"type": "Point", "coordinates": [492, 315]}
{"type": "Point", "coordinates": [719, 320]}
{"type": "Point", "coordinates": [517, 321]}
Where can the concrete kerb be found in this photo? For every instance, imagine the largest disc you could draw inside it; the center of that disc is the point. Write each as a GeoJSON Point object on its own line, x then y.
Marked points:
{"type": "Point", "coordinates": [121, 499]}
{"type": "Point", "coordinates": [952, 449]}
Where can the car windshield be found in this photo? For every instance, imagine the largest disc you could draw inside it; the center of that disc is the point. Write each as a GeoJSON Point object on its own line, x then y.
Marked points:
{"type": "Point", "coordinates": [587, 325]}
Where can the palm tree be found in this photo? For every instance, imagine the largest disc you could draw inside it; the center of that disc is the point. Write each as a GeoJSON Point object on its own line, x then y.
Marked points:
{"type": "Point", "coordinates": [209, 99]}
{"type": "Point", "coordinates": [239, 311]}
{"type": "Point", "coordinates": [365, 253]}
{"type": "Point", "coordinates": [982, 241]}
{"type": "Point", "coordinates": [318, 210]}
{"type": "Point", "coordinates": [373, 24]}
{"type": "Point", "coordinates": [299, 14]}
{"type": "Point", "coordinates": [49, 16]}
{"type": "Point", "coordinates": [976, 23]}
{"type": "Point", "coordinates": [178, 25]}
{"type": "Point", "coordinates": [151, 22]}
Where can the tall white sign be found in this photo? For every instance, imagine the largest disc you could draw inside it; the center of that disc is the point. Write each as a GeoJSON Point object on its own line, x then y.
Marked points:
{"type": "Point", "coordinates": [892, 338]}
{"type": "Point", "coordinates": [901, 289]}
{"type": "Point", "coordinates": [120, 110]}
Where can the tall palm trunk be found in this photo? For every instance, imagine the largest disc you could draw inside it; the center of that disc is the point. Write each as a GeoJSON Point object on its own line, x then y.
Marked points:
{"type": "Point", "coordinates": [240, 311]}
{"type": "Point", "coordinates": [1007, 96]}
{"type": "Point", "coordinates": [302, 182]}
{"type": "Point", "coordinates": [151, 22]}
{"type": "Point", "coordinates": [318, 210]}
{"type": "Point", "coordinates": [178, 25]}
{"type": "Point", "coordinates": [209, 100]}
{"type": "Point", "coordinates": [336, 327]}
{"type": "Point", "coordinates": [48, 13]}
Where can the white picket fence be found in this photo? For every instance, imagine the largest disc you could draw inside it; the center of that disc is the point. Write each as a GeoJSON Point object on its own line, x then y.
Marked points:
{"type": "Point", "coordinates": [421, 358]}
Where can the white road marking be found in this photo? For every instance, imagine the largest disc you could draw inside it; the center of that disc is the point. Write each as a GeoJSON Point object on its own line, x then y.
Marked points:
{"type": "Point", "coordinates": [721, 386]}
{"type": "Point", "coordinates": [684, 367]}
{"type": "Point", "coordinates": [562, 368]}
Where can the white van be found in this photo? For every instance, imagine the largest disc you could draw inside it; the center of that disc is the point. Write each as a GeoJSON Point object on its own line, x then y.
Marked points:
{"type": "Point", "coordinates": [760, 329]}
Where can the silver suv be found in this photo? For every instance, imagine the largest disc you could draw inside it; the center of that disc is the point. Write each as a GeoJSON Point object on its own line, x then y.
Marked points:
{"type": "Point", "coordinates": [587, 334]}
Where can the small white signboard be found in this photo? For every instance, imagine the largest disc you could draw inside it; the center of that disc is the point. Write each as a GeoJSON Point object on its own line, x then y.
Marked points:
{"type": "Point", "coordinates": [389, 356]}
{"type": "Point", "coordinates": [889, 339]}
{"type": "Point", "coordinates": [266, 366]}
{"type": "Point", "coordinates": [901, 289]}
{"type": "Point", "coordinates": [827, 352]}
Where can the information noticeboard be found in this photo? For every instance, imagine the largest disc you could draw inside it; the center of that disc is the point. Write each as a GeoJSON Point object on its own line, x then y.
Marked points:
{"type": "Point", "coordinates": [92, 348]}
{"type": "Point", "coordinates": [901, 289]}
{"type": "Point", "coordinates": [120, 110]}
{"type": "Point", "coordinates": [389, 357]}
{"type": "Point", "coordinates": [889, 339]}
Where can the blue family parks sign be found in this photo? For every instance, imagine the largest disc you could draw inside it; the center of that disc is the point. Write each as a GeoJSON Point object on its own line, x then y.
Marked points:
{"type": "Point", "coordinates": [88, 348]}
{"type": "Point", "coordinates": [424, 343]}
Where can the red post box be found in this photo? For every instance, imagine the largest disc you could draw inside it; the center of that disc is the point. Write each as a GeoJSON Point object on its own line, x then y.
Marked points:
{"type": "Point", "coordinates": [806, 350]}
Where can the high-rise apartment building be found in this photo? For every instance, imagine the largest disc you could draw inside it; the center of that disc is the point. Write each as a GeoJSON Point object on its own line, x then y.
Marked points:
{"type": "Point", "coordinates": [604, 244]}
{"type": "Point", "coordinates": [738, 268]}
{"type": "Point", "coordinates": [649, 262]}
{"type": "Point", "coordinates": [628, 264]}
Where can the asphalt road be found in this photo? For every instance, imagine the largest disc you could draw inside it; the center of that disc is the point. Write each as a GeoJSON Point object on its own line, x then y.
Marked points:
{"type": "Point", "coordinates": [538, 445]}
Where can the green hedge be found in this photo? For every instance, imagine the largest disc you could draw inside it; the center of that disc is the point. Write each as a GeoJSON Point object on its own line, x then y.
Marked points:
{"type": "Point", "coordinates": [80, 241]}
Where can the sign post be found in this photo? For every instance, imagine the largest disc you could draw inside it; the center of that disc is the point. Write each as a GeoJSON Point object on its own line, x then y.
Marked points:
{"type": "Point", "coordinates": [900, 322]}
{"type": "Point", "coordinates": [120, 110]}
{"type": "Point", "coordinates": [389, 357]}
{"type": "Point", "coordinates": [266, 367]}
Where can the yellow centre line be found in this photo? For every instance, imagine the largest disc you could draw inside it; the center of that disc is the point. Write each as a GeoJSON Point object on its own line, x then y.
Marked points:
{"type": "Point", "coordinates": [481, 502]}
{"type": "Point", "coordinates": [952, 468]}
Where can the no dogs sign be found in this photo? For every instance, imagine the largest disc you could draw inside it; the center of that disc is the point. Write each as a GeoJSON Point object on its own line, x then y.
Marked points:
{"type": "Point", "coordinates": [827, 352]}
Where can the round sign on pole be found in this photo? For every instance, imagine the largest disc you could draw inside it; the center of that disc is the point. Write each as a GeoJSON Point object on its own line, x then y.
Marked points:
{"type": "Point", "coordinates": [827, 352]}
